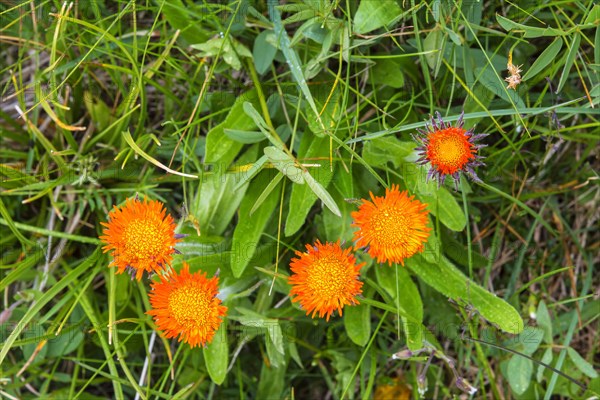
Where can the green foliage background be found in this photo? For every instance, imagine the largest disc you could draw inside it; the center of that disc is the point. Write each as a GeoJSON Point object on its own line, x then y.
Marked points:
{"type": "Point", "coordinates": [260, 124]}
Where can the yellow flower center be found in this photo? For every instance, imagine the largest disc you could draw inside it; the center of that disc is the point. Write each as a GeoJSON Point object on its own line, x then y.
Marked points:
{"type": "Point", "coordinates": [143, 239]}
{"type": "Point", "coordinates": [190, 306]}
{"type": "Point", "coordinates": [391, 226]}
{"type": "Point", "coordinates": [328, 277]}
{"type": "Point", "coordinates": [449, 150]}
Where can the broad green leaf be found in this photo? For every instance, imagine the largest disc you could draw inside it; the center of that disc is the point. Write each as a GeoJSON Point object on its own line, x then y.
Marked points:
{"type": "Point", "coordinates": [597, 46]}
{"type": "Point", "coordinates": [273, 342]}
{"type": "Point", "coordinates": [285, 164]}
{"type": "Point", "coordinates": [528, 341]}
{"type": "Point", "coordinates": [451, 282]}
{"type": "Point", "coordinates": [246, 137]}
{"type": "Point", "coordinates": [227, 47]}
{"type": "Point", "coordinates": [547, 56]}
{"type": "Point", "coordinates": [328, 104]}
{"type": "Point", "coordinates": [177, 15]}
{"type": "Point", "coordinates": [216, 200]}
{"type": "Point", "coordinates": [519, 373]}
{"type": "Point", "coordinates": [252, 171]}
{"type": "Point", "coordinates": [263, 196]}
{"type": "Point", "coordinates": [321, 193]}
{"type": "Point", "coordinates": [388, 71]}
{"type": "Point", "coordinates": [263, 51]}
{"type": "Point", "coordinates": [357, 321]}
{"type": "Point", "coordinates": [440, 202]}
{"type": "Point", "coordinates": [68, 341]}
{"type": "Point", "coordinates": [335, 228]}
{"type": "Point", "coordinates": [249, 229]}
{"type": "Point", "coordinates": [290, 54]}
{"type": "Point", "coordinates": [271, 382]}
{"type": "Point", "coordinates": [216, 355]}
{"type": "Point", "coordinates": [293, 349]}
{"type": "Point", "coordinates": [594, 16]}
{"type": "Point", "coordinates": [546, 359]}
{"type": "Point", "coordinates": [490, 80]}
{"type": "Point", "coordinates": [406, 294]}
{"type": "Point", "coordinates": [262, 125]}
{"type": "Point", "coordinates": [373, 15]}
{"type": "Point", "coordinates": [378, 152]}
{"type": "Point", "coordinates": [581, 363]}
{"type": "Point", "coordinates": [433, 45]}
{"type": "Point", "coordinates": [313, 150]}
{"type": "Point", "coordinates": [473, 11]}
{"type": "Point", "coordinates": [221, 150]}
{"type": "Point", "coordinates": [573, 49]}
{"type": "Point", "coordinates": [259, 324]}
{"type": "Point", "coordinates": [529, 31]}
{"type": "Point", "coordinates": [544, 321]}
{"type": "Point", "coordinates": [34, 331]}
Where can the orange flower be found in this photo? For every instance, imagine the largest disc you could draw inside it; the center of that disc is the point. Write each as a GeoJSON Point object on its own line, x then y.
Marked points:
{"type": "Point", "coordinates": [186, 305]}
{"type": "Point", "coordinates": [391, 227]}
{"type": "Point", "coordinates": [325, 278]}
{"type": "Point", "coordinates": [449, 149]}
{"type": "Point", "coordinates": [140, 236]}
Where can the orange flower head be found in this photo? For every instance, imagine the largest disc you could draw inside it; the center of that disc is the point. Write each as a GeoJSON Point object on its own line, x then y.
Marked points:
{"type": "Point", "coordinates": [141, 237]}
{"type": "Point", "coordinates": [186, 305]}
{"type": "Point", "coordinates": [325, 278]}
{"type": "Point", "coordinates": [449, 150]}
{"type": "Point", "coordinates": [392, 228]}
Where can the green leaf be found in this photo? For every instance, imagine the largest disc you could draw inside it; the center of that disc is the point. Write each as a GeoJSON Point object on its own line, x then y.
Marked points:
{"type": "Point", "coordinates": [216, 200]}
{"type": "Point", "coordinates": [262, 125]}
{"type": "Point", "coordinates": [34, 332]}
{"type": "Point", "coordinates": [490, 80]}
{"type": "Point", "coordinates": [409, 301]}
{"type": "Point", "coordinates": [285, 164]}
{"type": "Point", "coordinates": [547, 56]}
{"type": "Point", "coordinates": [581, 363]}
{"type": "Point", "coordinates": [249, 229]}
{"type": "Point", "coordinates": [273, 342]}
{"type": "Point", "coordinates": [373, 15]}
{"type": "Point", "coordinates": [302, 197]}
{"type": "Point", "coordinates": [388, 71]}
{"type": "Point", "coordinates": [440, 202]}
{"type": "Point", "coordinates": [265, 193]}
{"type": "Point", "coordinates": [357, 321]}
{"type": "Point", "coordinates": [519, 373]}
{"type": "Point", "coordinates": [569, 61]}
{"type": "Point", "coordinates": [49, 295]}
{"type": "Point", "coordinates": [529, 340]}
{"type": "Point", "coordinates": [68, 341]}
{"type": "Point", "coordinates": [529, 31]}
{"type": "Point", "coordinates": [544, 321]}
{"type": "Point", "coordinates": [328, 103]}
{"type": "Point", "coordinates": [221, 149]}
{"type": "Point", "coordinates": [252, 172]}
{"type": "Point", "coordinates": [271, 382]}
{"type": "Point", "coordinates": [334, 227]}
{"type": "Point", "coordinates": [290, 55]}
{"type": "Point", "coordinates": [263, 52]}
{"type": "Point", "coordinates": [378, 152]}
{"type": "Point", "coordinates": [433, 45]}
{"type": "Point", "coordinates": [321, 193]}
{"type": "Point", "coordinates": [451, 282]}
{"type": "Point", "coordinates": [177, 15]}
{"type": "Point", "coordinates": [230, 49]}
{"type": "Point", "coordinates": [546, 359]}
{"type": "Point", "coordinates": [594, 16]}
{"type": "Point", "coordinates": [216, 355]}
{"type": "Point", "coordinates": [246, 137]}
